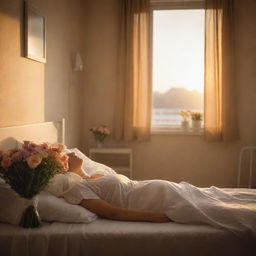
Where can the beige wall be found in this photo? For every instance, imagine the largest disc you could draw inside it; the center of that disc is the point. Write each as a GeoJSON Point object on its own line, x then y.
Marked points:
{"type": "Point", "coordinates": [170, 157]}
{"type": "Point", "coordinates": [31, 91]}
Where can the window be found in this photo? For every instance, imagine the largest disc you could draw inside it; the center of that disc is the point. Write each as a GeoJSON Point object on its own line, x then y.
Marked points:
{"type": "Point", "coordinates": [178, 65]}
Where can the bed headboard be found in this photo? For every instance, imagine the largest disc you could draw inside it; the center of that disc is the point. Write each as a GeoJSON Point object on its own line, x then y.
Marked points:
{"type": "Point", "coordinates": [38, 132]}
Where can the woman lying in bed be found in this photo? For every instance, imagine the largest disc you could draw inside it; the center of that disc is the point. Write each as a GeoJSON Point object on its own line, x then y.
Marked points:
{"type": "Point", "coordinates": [105, 195]}
{"type": "Point", "coordinates": [117, 197]}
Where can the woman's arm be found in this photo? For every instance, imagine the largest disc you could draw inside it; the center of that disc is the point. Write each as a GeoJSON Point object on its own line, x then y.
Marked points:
{"type": "Point", "coordinates": [75, 165]}
{"type": "Point", "coordinates": [106, 210]}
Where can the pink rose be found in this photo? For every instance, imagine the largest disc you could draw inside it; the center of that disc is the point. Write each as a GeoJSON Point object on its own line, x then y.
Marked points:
{"type": "Point", "coordinates": [62, 147]}
{"type": "Point", "coordinates": [6, 162]}
{"type": "Point", "coordinates": [101, 129]}
{"type": "Point", "coordinates": [64, 158]}
{"type": "Point", "coordinates": [34, 160]}
{"type": "Point", "coordinates": [42, 153]}
{"type": "Point", "coordinates": [44, 146]}
{"type": "Point", "coordinates": [25, 153]}
{"type": "Point", "coordinates": [17, 156]}
{"type": "Point", "coordinates": [94, 129]}
{"type": "Point", "coordinates": [58, 147]}
{"type": "Point", "coordinates": [56, 150]}
{"type": "Point", "coordinates": [53, 153]}
{"type": "Point", "coordinates": [31, 146]}
{"type": "Point", "coordinates": [106, 131]}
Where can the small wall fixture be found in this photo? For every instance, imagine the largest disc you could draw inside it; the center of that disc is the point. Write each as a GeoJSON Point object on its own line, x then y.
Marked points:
{"type": "Point", "coordinates": [78, 62]}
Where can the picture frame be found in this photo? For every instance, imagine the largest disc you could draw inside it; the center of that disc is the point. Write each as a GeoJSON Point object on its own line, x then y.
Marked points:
{"type": "Point", "coordinates": [34, 34]}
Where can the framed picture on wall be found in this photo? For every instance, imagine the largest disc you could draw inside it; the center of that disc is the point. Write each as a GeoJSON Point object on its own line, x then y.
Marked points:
{"type": "Point", "coordinates": [35, 42]}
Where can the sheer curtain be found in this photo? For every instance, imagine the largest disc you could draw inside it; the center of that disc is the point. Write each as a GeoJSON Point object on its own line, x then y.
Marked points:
{"type": "Point", "coordinates": [220, 91]}
{"type": "Point", "coordinates": [133, 101]}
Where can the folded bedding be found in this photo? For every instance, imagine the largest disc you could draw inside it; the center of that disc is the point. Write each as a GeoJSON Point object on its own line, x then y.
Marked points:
{"type": "Point", "coordinates": [231, 209]}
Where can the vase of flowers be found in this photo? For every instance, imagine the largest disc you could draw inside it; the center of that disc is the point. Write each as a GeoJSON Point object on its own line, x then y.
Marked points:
{"type": "Point", "coordinates": [28, 170]}
{"type": "Point", "coordinates": [99, 144]}
{"type": "Point", "coordinates": [185, 122]}
{"type": "Point", "coordinates": [100, 133]}
{"type": "Point", "coordinates": [197, 118]}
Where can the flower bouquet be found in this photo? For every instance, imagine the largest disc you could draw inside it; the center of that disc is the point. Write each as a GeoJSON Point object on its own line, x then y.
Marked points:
{"type": "Point", "coordinates": [28, 171]}
{"type": "Point", "coordinates": [100, 133]}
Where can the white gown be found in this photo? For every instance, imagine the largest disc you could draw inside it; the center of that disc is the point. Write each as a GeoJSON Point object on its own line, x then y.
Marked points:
{"type": "Point", "coordinates": [231, 209]}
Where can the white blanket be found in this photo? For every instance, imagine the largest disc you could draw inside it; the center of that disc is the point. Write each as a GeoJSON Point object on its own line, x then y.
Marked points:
{"type": "Point", "coordinates": [231, 209]}
{"type": "Point", "coordinates": [234, 210]}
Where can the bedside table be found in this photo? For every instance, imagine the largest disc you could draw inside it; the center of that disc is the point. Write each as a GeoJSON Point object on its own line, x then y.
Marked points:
{"type": "Point", "coordinates": [119, 159]}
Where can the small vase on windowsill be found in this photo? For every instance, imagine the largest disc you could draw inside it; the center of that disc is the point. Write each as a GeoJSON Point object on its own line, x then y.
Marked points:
{"type": "Point", "coordinates": [185, 125]}
{"type": "Point", "coordinates": [196, 125]}
{"type": "Point", "coordinates": [196, 118]}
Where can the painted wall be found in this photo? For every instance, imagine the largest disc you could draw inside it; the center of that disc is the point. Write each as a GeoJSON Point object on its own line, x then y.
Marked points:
{"type": "Point", "coordinates": [170, 157]}
{"type": "Point", "coordinates": [31, 91]}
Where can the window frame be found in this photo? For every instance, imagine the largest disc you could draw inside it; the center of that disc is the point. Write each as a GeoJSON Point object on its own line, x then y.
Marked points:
{"type": "Point", "coordinates": [170, 5]}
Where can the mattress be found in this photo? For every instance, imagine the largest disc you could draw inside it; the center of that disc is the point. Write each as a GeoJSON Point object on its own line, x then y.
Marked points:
{"type": "Point", "coordinates": [107, 237]}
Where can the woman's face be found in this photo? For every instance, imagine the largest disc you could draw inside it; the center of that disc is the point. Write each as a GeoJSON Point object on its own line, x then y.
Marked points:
{"type": "Point", "coordinates": [74, 162]}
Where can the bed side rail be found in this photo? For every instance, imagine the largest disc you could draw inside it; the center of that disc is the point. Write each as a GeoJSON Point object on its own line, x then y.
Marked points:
{"type": "Point", "coordinates": [251, 150]}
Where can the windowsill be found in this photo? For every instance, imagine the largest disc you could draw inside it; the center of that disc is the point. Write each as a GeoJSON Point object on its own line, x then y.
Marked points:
{"type": "Point", "coordinates": [176, 130]}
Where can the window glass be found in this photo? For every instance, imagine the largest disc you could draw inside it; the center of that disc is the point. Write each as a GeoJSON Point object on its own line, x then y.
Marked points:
{"type": "Point", "coordinates": [178, 65]}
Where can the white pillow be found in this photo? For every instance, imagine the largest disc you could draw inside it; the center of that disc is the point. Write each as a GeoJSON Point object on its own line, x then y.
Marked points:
{"type": "Point", "coordinates": [11, 205]}
{"type": "Point", "coordinates": [91, 166]}
{"type": "Point", "coordinates": [52, 208]}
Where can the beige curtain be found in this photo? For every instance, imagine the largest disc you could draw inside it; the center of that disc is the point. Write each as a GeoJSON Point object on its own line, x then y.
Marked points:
{"type": "Point", "coordinates": [220, 91]}
{"type": "Point", "coordinates": [133, 101]}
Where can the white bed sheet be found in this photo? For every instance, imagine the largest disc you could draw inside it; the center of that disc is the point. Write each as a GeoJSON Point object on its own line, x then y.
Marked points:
{"type": "Point", "coordinates": [106, 237]}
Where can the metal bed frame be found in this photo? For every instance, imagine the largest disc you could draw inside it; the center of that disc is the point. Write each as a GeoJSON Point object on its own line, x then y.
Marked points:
{"type": "Point", "coordinates": [251, 150]}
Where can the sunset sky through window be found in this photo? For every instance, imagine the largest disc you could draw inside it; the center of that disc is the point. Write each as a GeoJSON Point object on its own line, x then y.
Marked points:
{"type": "Point", "coordinates": [178, 49]}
